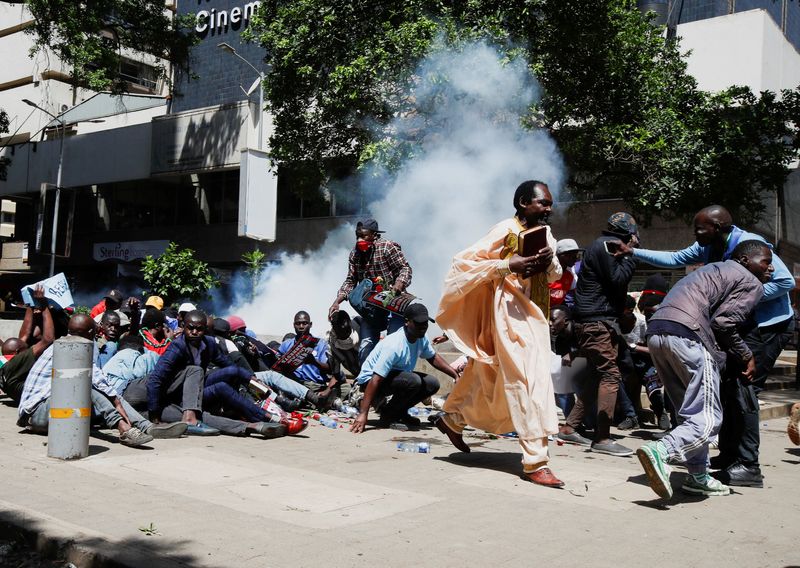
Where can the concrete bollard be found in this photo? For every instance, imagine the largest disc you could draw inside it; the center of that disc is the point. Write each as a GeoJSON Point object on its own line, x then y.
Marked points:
{"type": "Point", "coordinates": [70, 398]}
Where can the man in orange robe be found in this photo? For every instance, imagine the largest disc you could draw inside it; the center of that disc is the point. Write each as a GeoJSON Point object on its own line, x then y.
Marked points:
{"type": "Point", "coordinates": [495, 309]}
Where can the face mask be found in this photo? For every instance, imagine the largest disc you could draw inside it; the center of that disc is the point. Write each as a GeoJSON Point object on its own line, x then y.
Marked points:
{"type": "Point", "coordinates": [363, 246]}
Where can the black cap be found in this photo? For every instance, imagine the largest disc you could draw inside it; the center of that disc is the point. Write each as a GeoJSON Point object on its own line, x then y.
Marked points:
{"type": "Point", "coordinates": [370, 225]}
{"type": "Point", "coordinates": [417, 313]}
{"type": "Point", "coordinates": [115, 295]}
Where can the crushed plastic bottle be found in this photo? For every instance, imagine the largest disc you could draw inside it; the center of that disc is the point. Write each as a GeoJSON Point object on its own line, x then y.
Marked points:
{"type": "Point", "coordinates": [414, 447]}
{"type": "Point", "coordinates": [349, 411]}
{"type": "Point", "coordinates": [328, 422]}
{"type": "Point", "coordinates": [420, 413]}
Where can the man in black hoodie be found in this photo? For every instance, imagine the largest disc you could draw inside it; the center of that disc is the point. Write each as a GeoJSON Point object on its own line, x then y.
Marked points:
{"type": "Point", "coordinates": [599, 302]}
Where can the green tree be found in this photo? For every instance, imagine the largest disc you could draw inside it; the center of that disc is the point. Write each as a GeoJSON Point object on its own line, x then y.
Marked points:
{"type": "Point", "coordinates": [254, 262]}
{"type": "Point", "coordinates": [627, 117]}
{"type": "Point", "coordinates": [176, 274]}
{"type": "Point", "coordinates": [90, 35]}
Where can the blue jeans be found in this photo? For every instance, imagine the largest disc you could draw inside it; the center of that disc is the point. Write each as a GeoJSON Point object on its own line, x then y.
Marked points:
{"type": "Point", "coordinates": [370, 331]}
{"type": "Point", "coordinates": [283, 384]}
{"type": "Point", "coordinates": [222, 390]}
{"type": "Point", "coordinates": [565, 402]}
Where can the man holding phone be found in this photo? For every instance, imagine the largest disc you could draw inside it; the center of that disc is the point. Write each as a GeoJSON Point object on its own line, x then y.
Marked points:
{"type": "Point", "coordinates": [599, 302]}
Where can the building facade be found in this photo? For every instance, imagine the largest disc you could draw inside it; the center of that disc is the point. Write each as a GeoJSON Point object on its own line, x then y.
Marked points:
{"type": "Point", "coordinates": [172, 171]}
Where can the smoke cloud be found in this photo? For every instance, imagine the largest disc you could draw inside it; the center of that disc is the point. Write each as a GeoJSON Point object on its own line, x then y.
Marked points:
{"type": "Point", "coordinates": [472, 154]}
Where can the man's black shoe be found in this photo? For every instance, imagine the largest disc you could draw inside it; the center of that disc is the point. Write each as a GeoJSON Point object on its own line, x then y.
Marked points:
{"type": "Point", "coordinates": [411, 421]}
{"type": "Point", "coordinates": [721, 462]}
{"type": "Point", "coordinates": [288, 404]}
{"type": "Point", "coordinates": [740, 475]}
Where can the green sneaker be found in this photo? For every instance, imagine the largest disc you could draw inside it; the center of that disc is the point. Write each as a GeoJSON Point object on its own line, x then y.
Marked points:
{"type": "Point", "coordinates": [704, 485]}
{"type": "Point", "coordinates": [652, 456]}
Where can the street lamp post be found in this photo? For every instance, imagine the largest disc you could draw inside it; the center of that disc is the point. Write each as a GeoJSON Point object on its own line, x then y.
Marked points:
{"type": "Point", "coordinates": [57, 201]}
{"type": "Point", "coordinates": [229, 49]}
{"type": "Point", "coordinates": [56, 204]}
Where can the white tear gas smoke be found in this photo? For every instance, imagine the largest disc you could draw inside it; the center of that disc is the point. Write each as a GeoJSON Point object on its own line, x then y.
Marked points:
{"type": "Point", "coordinates": [472, 154]}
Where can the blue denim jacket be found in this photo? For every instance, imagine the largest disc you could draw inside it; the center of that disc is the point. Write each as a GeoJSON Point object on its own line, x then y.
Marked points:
{"type": "Point", "coordinates": [774, 307]}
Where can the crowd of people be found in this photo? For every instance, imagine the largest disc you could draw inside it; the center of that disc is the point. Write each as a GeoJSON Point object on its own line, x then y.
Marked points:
{"type": "Point", "coordinates": [542, 331]}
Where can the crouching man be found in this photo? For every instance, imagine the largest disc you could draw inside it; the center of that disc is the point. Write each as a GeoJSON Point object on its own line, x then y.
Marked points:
{"type": "Point", "coordinates": [34, 407]}
{"type": "Point", "coordinates": [389, 370]}
{"type": "Point", "coordinates": [688, 337]}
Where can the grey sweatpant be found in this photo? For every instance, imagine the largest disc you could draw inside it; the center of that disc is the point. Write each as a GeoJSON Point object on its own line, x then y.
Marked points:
{"type": "Point", "coordinates": [691, 380]}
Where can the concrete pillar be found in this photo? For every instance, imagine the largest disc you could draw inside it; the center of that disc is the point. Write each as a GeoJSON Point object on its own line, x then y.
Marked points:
{"type": "Point", "coordinates": [70, 398]}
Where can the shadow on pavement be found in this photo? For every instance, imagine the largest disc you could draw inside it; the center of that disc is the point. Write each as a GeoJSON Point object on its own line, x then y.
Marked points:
{"type": "Point", "coordinates": [506, 462]}
{"type": "Point", "coordinates": [88, 551]}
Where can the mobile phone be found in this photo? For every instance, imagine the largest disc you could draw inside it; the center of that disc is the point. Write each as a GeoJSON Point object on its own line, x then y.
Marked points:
{"type": "Point", "coordinates": [611, 247]}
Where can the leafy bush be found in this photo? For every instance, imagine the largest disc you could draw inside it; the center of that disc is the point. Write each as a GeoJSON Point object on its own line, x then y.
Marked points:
{"type": "Point", "coordinates": [177, 274]}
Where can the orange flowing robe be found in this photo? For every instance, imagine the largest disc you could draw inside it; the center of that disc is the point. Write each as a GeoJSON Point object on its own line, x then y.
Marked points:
{"type": "Point", "coordinates": [489, 315]}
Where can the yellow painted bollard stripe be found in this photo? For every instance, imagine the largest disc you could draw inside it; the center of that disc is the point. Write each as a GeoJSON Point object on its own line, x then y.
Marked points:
{"type": "Point", "coordinates": [70, 412]}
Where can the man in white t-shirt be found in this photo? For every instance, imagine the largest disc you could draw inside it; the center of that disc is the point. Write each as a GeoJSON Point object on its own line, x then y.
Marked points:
{"type": "Point", "coordinates": [389, 370]}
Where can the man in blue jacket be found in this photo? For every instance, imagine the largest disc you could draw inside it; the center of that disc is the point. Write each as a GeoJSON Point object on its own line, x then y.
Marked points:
{"type": "Point", "coordinates": [766, 337]}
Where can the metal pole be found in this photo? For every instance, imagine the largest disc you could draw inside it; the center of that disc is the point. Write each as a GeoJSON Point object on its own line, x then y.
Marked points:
{"type": "Point", "coordinates": [57, 203]}
{"type": "Point", "coordinates": [70, 398]}
{"type": "Point", "coordinates": [260, 110]}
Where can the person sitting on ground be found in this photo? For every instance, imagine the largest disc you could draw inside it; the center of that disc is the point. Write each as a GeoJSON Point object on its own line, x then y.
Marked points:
{"type": "Point", "coordinates": [389, 370]}
{"type": "Point", "coordinates": [290, 394]}
{"type": "Point", "coordinates": [259, 356]}
{"type": "Point", "coordinates": [34, 407]}
{"type": "Point", "coordinates": [563, 289]}
{"type": "Point", "coordinates": [313, 373]}
{"type": "Point", "coordinates": [19, 357]}
{"type": "Point", "coordinates": [107, 336]}
{"type": "Point", "coordinates": [343, 344]}
{"type": "Point", "coordinates": [128, 369]}
{"type": "Point", "coordinates": [692, 337]}
{"type": "Point", "coordinates": [155, 333]}
{"type": "Point", "coordinates": [110, 302]}
{"type": "Point", "coordinates": [181, 385]}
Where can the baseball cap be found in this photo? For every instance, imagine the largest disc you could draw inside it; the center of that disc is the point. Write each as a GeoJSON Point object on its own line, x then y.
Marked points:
{"type": "Point", "coordinates": [370, 225]}
{"type": "Point", "coordinates": [417, 313]}
{"type": "Point", "coordinates": [567, 245]}
{"type": "Point", "coordinates": [115, 295]}
{"type": "Point", "coordinates": [622, 223]}
{"type": "Point", "coordinates": [236, 323]}
{"type": "Point", "coordinates": [186, 307]}
{"type": "Point", "coordinates": [155, 301]}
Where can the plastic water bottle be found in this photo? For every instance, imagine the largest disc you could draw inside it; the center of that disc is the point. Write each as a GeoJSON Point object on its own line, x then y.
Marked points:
{"type": "Point", "coordinates": [328, 422]}
{"type": "Point", "coordinates": [420, 413]}
{"type": "Point", "coordinates": [414, 448]}
{"type": "Point", "coordinates": [349, 411]}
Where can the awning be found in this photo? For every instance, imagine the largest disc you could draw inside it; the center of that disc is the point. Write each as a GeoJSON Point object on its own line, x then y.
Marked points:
{"type": "Point", "coordinates": [102, 105]}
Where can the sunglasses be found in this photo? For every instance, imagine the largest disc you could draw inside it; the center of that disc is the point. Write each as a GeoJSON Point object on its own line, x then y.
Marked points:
{"type": "Point", "coordinates": [195, 327]}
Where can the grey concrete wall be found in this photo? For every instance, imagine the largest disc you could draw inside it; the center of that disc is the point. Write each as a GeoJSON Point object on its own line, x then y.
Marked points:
{"type": "Point", "coordinates": [100, 157]}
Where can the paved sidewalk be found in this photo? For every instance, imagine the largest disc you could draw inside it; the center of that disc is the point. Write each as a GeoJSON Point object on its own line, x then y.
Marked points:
{"type": "Point", "coordinates": [330, 498]}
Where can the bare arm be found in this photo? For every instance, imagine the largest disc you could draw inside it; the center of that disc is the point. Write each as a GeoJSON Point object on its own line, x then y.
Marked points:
{"type": "Point", "coordinates": [440, 364]}
{"type": "Point", "coordinates": [369, 394]}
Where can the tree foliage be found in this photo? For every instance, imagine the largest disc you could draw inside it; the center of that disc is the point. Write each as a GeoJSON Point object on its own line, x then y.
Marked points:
{"type": "Point", "coordinates": [176, 274]}
{"type": "Point", "coordinates": [91, 36]}
{"type": "Point", "coordinates": [627, 117]}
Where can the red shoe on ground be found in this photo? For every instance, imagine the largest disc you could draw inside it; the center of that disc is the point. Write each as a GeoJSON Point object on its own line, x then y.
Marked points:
{"type": "Point", "coordinates": [544, 477]}
{"type": "Point", "coordinates": [294, 425]}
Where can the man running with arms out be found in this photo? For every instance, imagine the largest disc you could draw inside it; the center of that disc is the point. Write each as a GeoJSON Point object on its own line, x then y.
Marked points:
{"type": "Point", "coordinates": [766, 334]}
{"type": "Point", "coordinates": [495, 309]}
{"type": "Point", "coordinates": [688, 337]}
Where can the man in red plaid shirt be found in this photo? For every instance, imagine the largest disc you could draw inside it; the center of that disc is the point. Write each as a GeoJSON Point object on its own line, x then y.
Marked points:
{"type": "Point", "coordinates": [382, 262]}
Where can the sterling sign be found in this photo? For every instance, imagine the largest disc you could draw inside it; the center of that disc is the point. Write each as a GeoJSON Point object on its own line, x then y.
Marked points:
{"type": "Point", "coordinates": [130, 250]}
{"type": "Point", "coordinates": [220, 19]}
